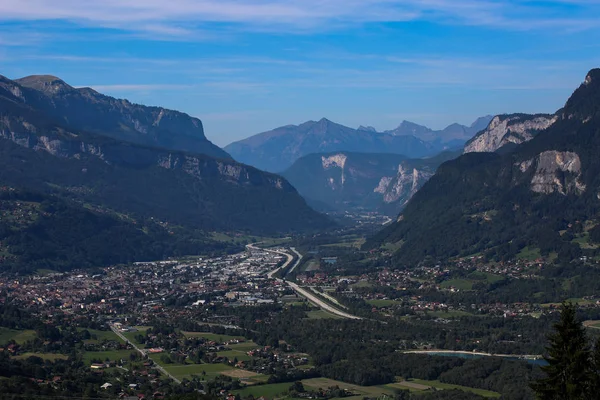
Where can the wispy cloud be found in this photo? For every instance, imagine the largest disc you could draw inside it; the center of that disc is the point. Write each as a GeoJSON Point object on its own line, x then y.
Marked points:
{"type": "Point", "coordinates": [188, 18]}
{"type": "Point", "coordinates": [136, 87]}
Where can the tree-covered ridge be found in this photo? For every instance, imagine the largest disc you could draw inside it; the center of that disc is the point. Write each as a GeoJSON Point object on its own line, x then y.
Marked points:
{"type": "Point", "coordinates": [40, 231]}
{"type": "Point", "coordinates": [42, 151]}
{"type": "Point", "coordinates": [543, 195]}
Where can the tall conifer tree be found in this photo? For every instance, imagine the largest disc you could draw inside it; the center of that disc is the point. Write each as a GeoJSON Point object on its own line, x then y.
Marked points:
{"type": "Point", "coordinates": [569, 361]}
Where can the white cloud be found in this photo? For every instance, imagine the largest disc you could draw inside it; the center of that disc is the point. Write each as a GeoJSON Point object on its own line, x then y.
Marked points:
{"type": "Point", "coordinates": [186, 18]}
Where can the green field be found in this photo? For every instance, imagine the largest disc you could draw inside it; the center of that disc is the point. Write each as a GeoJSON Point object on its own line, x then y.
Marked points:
{"type": "Point", "coordinates": [449, 314]}
{"type": "Point", "coordinates": [269, 391]}
{"type": "Point", "coordinates": [320, 314]}
{"type": "Point", "coordinates": [45, 272]}
{"type": "Point", "coordinates": [312, 266]}
{"type": "Point", "coordinates": [573, 300]}
{"type": "Point", "coordinates": [141, 330]}
{"type": "Point", "coordinates": [528, 253]}
{"type": "Point", "coordinates": [362, 284]}
{"type": "Point", "coordinates": [186, 371]}
{"type": "Point", "coordinates": [485, 276]}
{"type": "Point", "coordinates": [461, 284]}
{"type": "Point", "coordinates": [18, 336]}
{"type": "Point", "coordinates": [101, 335]}
{"type": "Point", "coordinates": [244, 347]}
{"type": "Point", "coordinates": [112, 355]}
{"type": "Point", "coordinates": [370, 391]}
{"type": "Point", "coordinates": [216, 337]}
{"type": "Point", "coordinates": [45, 356]}
{"type": "Point", "coordinates": [440, 385]}
{"type": "Point", "coordinates": [382, 303]}
{"type": "Point", "coordinates": [231, 354]}
{"type": "Point", "coordinates": [393, 247]}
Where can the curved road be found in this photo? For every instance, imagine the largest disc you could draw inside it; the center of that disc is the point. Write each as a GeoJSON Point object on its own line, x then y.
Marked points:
{"type": "Point", "coordinates": [320, 303]}
{"type": "Point", "coordinates": [303, 292]}
{"type": "Point", "coordinates": [290, 258]}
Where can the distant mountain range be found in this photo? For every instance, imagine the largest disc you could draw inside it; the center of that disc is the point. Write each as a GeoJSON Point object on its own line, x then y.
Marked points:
{"type": "Point", "coordinates": [344, 181]}
{"type": "Point", "coordinates": [277, 150]}
{"type": "Point", "coordinates": [453, 135]}
{"type": "Point", "coordinates": [538, 193]}
{"type": "Point", "coordinates": [123, 162]}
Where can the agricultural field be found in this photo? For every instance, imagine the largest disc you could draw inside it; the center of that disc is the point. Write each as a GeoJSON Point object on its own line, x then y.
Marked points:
{"type": "Point", "coordinates": [468, 282]}
{"type": "Point", "coordinates": [369, 391]}
{"type": "Point", "coordinates": [446, 386]}
{"type": "Point", "coordinates": [186, 371]}
{"type": "Point", "coordinates": [279, 389]}
{"type": "Point", "coordinates": [141, 330]}
{"type": "Point", "coordinates": [235, 354]}
{"type": "Point", "coordinates": [312, 266]}
{"type": "Point", "coordinates": [44, 356]}
{"type": "Point", "coordinates": [17, 335]}
{"type": "Point", "coordinates": [362, 284]}
{"type": "Point", "coordinates": [244, 347]}
{"type": "Point", "coordinates": [269, 391]}
{"type": "Point", "coordinates": [529, 254]}
{"type": "Point", "coordinates": [320, 314]}
{"type": "Point", "coordinates": [101, 335]}
{"type": "Point", "coordinates": [112, 355]}
{"type": "Point", "coordinates": [216, 337]}
{"type": "Point", "coordinates": [449, 314]}
{"type": "Point", "coordinates": [485, 276]}
{"type": "Point", "coordinates": [592, 324]}
{"type": "Point", "coordinates": [461, 284]}
{"type": "Point", "coordinates": [247, 377]}
{"type": "Point", "coordinates": [382, 303]}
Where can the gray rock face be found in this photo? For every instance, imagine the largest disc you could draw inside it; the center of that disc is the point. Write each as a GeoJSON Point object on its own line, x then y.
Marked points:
{"type": "Point", "coordinates": [506, 129]}
{"type": "Point", "coordinates": [350, 181]}
{"type": "Point", "coordinates": [84, 109]}
{"type": "Point", "coordinates": [404, 185]}
{"type": "Point", "coordinates": [67, 145]}
{"type": "Point", "coordinates": [555, 172]}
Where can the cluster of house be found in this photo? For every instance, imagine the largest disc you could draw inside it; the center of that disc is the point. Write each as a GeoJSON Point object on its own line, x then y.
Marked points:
{"type": "Point", "coordinates": [151, 288]}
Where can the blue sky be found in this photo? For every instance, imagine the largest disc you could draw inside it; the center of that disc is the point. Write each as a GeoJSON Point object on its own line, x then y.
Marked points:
{"type": "Point", "coordinates": [246, 66]}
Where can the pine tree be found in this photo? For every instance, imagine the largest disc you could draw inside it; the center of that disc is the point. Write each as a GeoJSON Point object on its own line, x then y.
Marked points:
{"type": "Point", "coordinates": [595, 370]}
{"type": "Point", "coordinates": [569, 361]}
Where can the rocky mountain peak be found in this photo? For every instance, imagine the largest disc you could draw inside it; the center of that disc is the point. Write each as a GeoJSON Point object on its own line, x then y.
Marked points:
{"type": "Point", "coordinates": [367, 128]}
{"type": "Point", "coordinates": [407, 125]}
{"type": "Point", "coordinates": [592, 76]}
{"type": "Point", "coordinates": [584, 103]}
{"type": "Point", "coordinates": [48, 84]}
{"type": "Point", "coordinates": [482, 122]}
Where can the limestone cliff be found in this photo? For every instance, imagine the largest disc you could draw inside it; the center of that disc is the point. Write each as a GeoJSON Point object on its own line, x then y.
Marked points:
{"type": "Point", "coordinates": [555, 172]}
{"type": "Point", "coordinates": [507, 129]}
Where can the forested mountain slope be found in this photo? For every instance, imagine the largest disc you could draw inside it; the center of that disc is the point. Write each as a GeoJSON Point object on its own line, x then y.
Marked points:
{"type": "Point", "coordinates": [544, 195]}
{"type": "Point", "coordinates": [136, 183]}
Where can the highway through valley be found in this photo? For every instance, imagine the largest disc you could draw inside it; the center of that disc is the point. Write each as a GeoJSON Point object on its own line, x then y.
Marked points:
{"type": "Point", "coordinates": [310, 296]}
